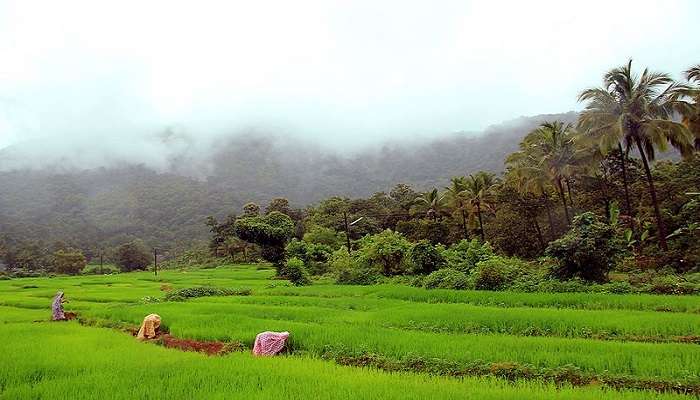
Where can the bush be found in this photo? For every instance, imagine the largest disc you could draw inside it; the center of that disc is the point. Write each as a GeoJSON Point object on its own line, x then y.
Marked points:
{"type": "Point", "coordinates": [671, 284]}
{"type": "Point", "coordinates": [203, 291]}
{"type": "Point", "coordinates": [496, 273]}
{"type": "Point", "coordinates": [296, 272]}
{"type": "Point", "coordinates": [93, 269]}
{"type": "Point", "coordinates": [314, 256]}
{"type": "Point", "coordinates": [132, 256]}
{"type": "Point", "coordinates": [349, 271]}
{"type": "Point", "coordinates": [325, 236]}
{"type": "Point", "coordinates": [464, 255]}
{"type": "Point", "coordinates": [588, 251]}
{"type": "Point", "coordinates": [387, 251]}
{"type": "Point", "coordinates": [617, 288]}
{"type": "Point", "coordinates": [68, 261]}
{"type": "Point", "coordinates": [426, 258]}
{"type": "Point", "coordinates": [446, 278]}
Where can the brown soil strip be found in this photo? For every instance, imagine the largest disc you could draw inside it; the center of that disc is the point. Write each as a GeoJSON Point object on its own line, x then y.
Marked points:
{"type": "Point", "coordinates": [164, 338]}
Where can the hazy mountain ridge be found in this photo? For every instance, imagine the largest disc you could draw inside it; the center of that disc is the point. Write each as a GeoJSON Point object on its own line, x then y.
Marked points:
{"type": "Point", "coordinates": [112, 204]}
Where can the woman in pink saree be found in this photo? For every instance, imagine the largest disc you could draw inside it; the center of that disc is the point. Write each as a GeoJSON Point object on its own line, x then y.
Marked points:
{"type": "Point", "coordinates": [269, 343]}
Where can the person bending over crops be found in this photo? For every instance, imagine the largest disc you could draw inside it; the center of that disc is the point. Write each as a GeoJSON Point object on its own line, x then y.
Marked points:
{"type": "Point", "coordinates": [149, 327]}
{"type": "Point", "coordinates": [57, 307]}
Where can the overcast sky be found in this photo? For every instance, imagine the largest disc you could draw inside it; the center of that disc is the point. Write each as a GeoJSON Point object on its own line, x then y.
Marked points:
{"type": "Point", "coordinates": [78, 74]}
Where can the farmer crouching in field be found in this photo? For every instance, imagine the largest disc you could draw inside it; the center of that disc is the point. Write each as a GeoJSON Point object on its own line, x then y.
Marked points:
{"type": "Point", "coordinates": [149, 327]}
{"type": "Point", "coordinates": [57, 307]}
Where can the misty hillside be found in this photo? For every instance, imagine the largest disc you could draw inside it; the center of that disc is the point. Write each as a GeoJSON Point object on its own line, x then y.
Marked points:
{"type": "Point", "coordinates": [109, 205]}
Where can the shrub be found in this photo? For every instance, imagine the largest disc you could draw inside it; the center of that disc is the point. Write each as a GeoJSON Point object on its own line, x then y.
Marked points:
{"type": "Point", "coordinates": [496, 273]}
{"type": "Point", "coordinates": [315, 256]}
{"type": "Point", "coordinates": [617, 288]}
{"type": "Point", "coordinates": [203, 291]}
{"type": "Point", "coordinates": [464, 255]}
{"type": "Point", "coordinates": [426, 258]}
{"type": "Point", "coordinates": [670, 284]}
{"type": "Point", "coordinates": [387, 251]}
{"type": "Point", "coordinates": [349, 271]}
{"type": "Point", "coordinates": [588, 251]}
{"type": "Point", "coordinates": [132, 256]}
{"type": "Point", "coordinates": [325, 236]}
{"type": "Point", "coordinates": [296, 272]}
{"type": "Point", "coordinates": [68, 261]}
{"type": "Point", "coordinates": [93, 269]}
{"type": "Point", "coordinates": [446, 278]}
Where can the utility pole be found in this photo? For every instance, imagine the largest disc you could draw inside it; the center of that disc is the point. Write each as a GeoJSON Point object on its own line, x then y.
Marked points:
{"type": "Point", "coordinates": [101, 255]}
{"type": "Point", "coordinates": [347, 230]}
{"type": "Point", "coordinates": [155, 261]}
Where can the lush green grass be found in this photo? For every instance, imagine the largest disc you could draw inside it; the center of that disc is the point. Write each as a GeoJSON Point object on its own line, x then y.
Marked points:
{"type": "Point", "coordinates": [589, 301]}
{"type": "Point", "coordinates": [540, 329]}
{"type": "Point", "coordinates": [67, 361]}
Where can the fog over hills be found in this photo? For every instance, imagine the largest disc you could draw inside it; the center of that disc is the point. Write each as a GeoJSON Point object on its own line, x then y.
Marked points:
{"type": "Point", "coordinates": [163, 192]}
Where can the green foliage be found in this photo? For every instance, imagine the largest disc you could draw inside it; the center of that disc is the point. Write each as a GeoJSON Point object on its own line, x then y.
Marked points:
{"type": "Point", "coordinates": [426, 258]}
{"type": "Point", "coordinates": [496, 273]}
{"type": "Point", "coordinates": [464, 256]}
{"type": "Point", "coordinates": [204, 291]}
{"type": "Point", "coordinates": [325, 236]}
{"type": "Point", "coordinates": [296, 272]}
{"type": "Point", "coordinates": [434, 231]}
{"type": "Point", "coordinates": [96, 269]}
{"type": "Point", "coordinates": [588, 251]}
{"type": "Point", "coordinates": [387, 251]}
{"type": "Point", "coordinates": [68, 261]}
{"type": "Point", "coordinates": [132, 256]}
{"type": "Point", "coordinates": [315, 257]}
{"type": "Point", "coordinates": [349, 271]}
{"type": "Point", "coordinates": [446, 278]}
{"type": "Point", "coordinates": [271, 232]}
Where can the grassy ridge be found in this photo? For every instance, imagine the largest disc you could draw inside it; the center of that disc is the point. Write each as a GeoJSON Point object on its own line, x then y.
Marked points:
{"type": "Point", "coordinates": [54, 365]}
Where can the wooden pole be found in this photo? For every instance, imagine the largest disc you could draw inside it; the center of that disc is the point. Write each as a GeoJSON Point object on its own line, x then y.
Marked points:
{"type": "Point", "coordinates": [347, 230]}
{"type": "Point", "coordinates": [155, 261]}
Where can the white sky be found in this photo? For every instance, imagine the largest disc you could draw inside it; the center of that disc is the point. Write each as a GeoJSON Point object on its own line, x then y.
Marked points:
{"type": "Point", "coordinates": [81, 73]}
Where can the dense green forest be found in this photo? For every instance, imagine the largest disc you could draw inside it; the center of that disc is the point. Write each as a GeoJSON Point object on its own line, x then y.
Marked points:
{"type": "Point", "coordinates": [111, 205]}
{"type": "Point", "coordinates": [542, 185]}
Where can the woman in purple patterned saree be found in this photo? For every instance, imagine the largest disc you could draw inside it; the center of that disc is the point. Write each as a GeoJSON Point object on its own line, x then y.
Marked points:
{"type": "Point", "coordinates": [57, 308]}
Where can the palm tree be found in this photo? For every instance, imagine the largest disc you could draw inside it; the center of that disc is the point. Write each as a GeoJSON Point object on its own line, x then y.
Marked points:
{"type": "Point", "coordinates": [551, 149]}
{"type": "Point", "coordinates": [431, 202]}
{"type": "Point", "coordinates": [691, 110]}
{"type": "Point", "coordinates": [637, 111]}
{"type": "Point", "coordinates": [456, 197]}
{"type": "Point", "coordinates": [478, 191]}
{"type": "Point", "coordinates": [527, 175]}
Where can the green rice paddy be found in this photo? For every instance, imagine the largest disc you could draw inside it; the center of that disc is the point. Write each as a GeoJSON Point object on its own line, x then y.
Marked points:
{"type": "Point", "coordinates": [639, 337]}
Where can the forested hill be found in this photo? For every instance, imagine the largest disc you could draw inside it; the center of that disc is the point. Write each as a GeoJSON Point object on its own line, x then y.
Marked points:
{"type": "Point", "coordinates": [111, 205]}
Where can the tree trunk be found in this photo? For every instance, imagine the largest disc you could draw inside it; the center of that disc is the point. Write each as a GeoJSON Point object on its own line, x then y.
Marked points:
{"type": "Point", "coordinates": [560, 189]}
{"type": "Point", "coordinates": [549, 217]}
{"type": "Point", "coordinates": [539, 233]}
{"type": "Point", "coordinates": [464, 222]}
{"type": "Point", "coordinates": [661, 229]}
{"type": "Point", "coordinates": [623, 158]}
{"type": "Point", "coordinates": [481, 224]}
{"type": "Point", "coordinates": [568, 189]}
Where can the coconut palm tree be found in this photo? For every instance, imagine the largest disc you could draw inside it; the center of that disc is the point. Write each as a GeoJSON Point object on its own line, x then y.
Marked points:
{"type": "Point", "coordinates": [526, 173]}
{"type": "Point", "coordinates": [551, 149]}
{"type": "Point", "coordinates": [691, 111]}
{"type": "Point", "coordinates": [478, 191]}
{"type": "Point", "coordinates": [432, 202]}
{"type": "Point", "coordinates": [633, 110]}
{"type": "Point", "coordinates": [457, 200]}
